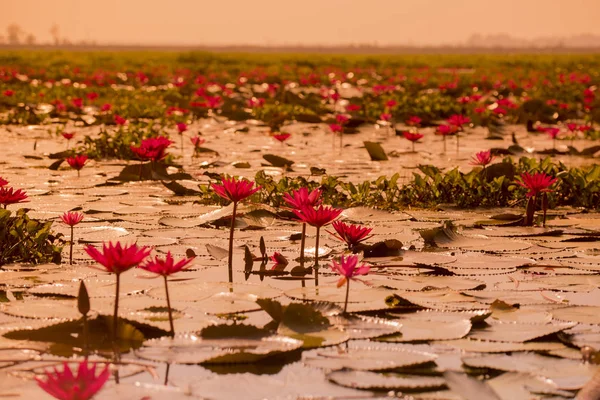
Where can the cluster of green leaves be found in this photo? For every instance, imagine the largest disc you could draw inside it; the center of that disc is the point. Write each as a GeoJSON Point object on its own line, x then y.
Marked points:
{"type": "Point", "coordinates": [27, 240]}
{"type": "Point", "coordinates": [494, 186]}
{"type": "Point", "coordinates": [117, 144]}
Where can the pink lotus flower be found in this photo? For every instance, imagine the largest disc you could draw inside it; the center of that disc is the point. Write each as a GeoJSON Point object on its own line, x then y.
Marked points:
{"type": "Point", "coordinates": [117, 258]}
{"type": "Point", "coordinates": [413, 121]}
{"type": "Point", "coordinates": [482, 158]}
{"type": "Point", "coordinates": [106, 107]}
{"type": "Point", "coordinates": [348, 268]}
{"type": "Point", "coordinates": [479, 110]}
{"type": "Point", "coordinates": [153, 149]}
{"type": "Point", "coordinates": [552, 132]}
{"type": "Point", "coordinates": [181, 127]}
{"type": "Point", "coordinates": [197, 141]}
{"type": "Point", "coordinates": [279, 259]}
{"type": "Point", "coordinates": [445, 130]}
{"type": "Point", "coordinates": [77, 162]}
{"type": "Point", "coordinates": [458, 120]}
{"type": "Point", "coordinates": [282, 137]}
{"type": "Point", "coordinates": [353, 108]}
{"type": "Point", "coordinates": [9, 93]}
{"type": "Point", "coordinates": [385, 117]}
{"type": "Point", "coordinates": [68, 136]}
{"type": "Point", "coordinates": [536, 183]}
{"type": "Point", "coordinates": [342, 119]}
{"type": "Point", "coordinates": [120, 120]}
{"type": "Point", "coordinates": [335, 128]}
{"type": "Point", "coordinates": [413, 137]}
{"type": "Point", "coordinates": [10, 196]}
{"type": "Point", "coordinates": [234, 190]}
{"type": "Point", "coordinates": [77, 102]}
{"type": "Point", "coordinates": [352, 235]}
{"type": "Point", "coordinates": [317, 217]}
{"type": "Point", "coordinates": [391, 104]}
{"type": "Point", "coordinates": [166, 267]}
{"type": "Point", "coordinates": [303, 198]}
{"type": "Point", "coordinates": [3, 182]}
{"type": "Point", "coordinates": [66, 386]}
{"type": "Point", "coordinates": [572, 126]}
{"type": "Point", "coordinates": [71, 218]}
{"type": "Point", "coordinates": [92, 96]}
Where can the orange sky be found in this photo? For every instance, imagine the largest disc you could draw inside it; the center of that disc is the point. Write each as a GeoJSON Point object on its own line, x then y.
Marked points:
{"type": "Point", "coordinates": [269, 22]}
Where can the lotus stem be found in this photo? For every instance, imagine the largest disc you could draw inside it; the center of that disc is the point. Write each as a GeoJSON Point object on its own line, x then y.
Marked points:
{"type": "Point", "coordinates": [231, 229]}
{"type": "Point", "coordinates": [302, 243]}
{"type": "Point", "coordinates": [413, 147]}
{"type": "Point", "coordinates": [169, 307]}
{"type": "Point", "coordinates": [116, 310]}
{"type": "Point", "coordinates": [317, 259]}
{"type": "Point", "coordinates": [347, 294]}
{"type": "Point", "coordinates": [71, 247]}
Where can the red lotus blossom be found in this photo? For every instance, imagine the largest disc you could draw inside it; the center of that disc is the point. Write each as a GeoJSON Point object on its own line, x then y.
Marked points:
{"type": "Point", "coordinates": [563, 106]}
{"type": "Point", "coordinates": [197, 141]}
{"type": "Point", "coordinates": [68, 135]}
{"type": "Point", "coordinates": [9, 93]}
{"type": "Point", "coordinates": [117, 258]}
{"type": "Point", "coordinates": [181, 127]}
{"type": "Point", "coordinates": [335, 128]}
{"type": "Point", "coordinates": [317, 217]}
{"type": "Point", "coordinates": [572, 126]}
{"type": "Point", "coordinates": [464, 100]}
{"type": "Point", "coordinates": [391, 103]}
{"type": "Point", "coordinates": [282, 137]}
{"type": "Point", "coordinates": [106, 107]}
{"type": "Point", "coordinates": [8, 195]}
{"type": "Point", "coordinates": [342, 119]}
{"type": "Point", "coordinates": [153, 149]}
{"type": "Point", "coordinates": [213, 101]}
{"type": "Point", "coordinates": [3, 182]}
{"type": "Point", "coordinates": [92, 96]}
{"type": "Point", "coordinates": [120, 120]}
{"type": "Point", "coordinates": [445, 130]}
{"type": "Point", "coordinates": [552, 132]}
{"type": "Point", "coordinates": [499, 111]}
{"type": "Point", "coordinates": [353, 107]}
{"type": "Point", "coordinates": [303, 198]}
{"type": "Point", "coordinates": [413, 137]}
{"type": "Point", "coordinates": [166, 266]}
{"type": "Point", "coordinates": [536, 183]}
{"type": "Point", "coordinates": [413, 121]}
{"type": "Point", "coordinates": [234, 190]}
{"type": "Point", "coordinates": [77, 102]}
{"type": "Point", "coordinates": [66, 386]}
{"type": "Point", "coordinates": [348, 268]}
{"type": "Point", "coordinates": [77, 162]}
{"type": "Point", "coordinates": [458, 120]}
{"type": "Point", "coordinates": [350, 234]}
{"type": "Point", "coordinates": [482, 158]}
{"type": "Point", "coordinates": [385, 117]}
{"type": "Point", "coordinates": [71, 218]}
{"type": "Point", "coordinates": [479, 110]}
{"type": "Point", "coordinates": [279, 259]}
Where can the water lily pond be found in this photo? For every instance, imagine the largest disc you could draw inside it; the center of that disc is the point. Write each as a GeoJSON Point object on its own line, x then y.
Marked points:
{"type": "Point", "coordinates": [455, 302]}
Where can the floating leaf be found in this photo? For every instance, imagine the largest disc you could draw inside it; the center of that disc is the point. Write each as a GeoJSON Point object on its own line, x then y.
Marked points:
{"type": "Point", "coordinates": [376, 152]}
{"type": "Point", "coordinates": [387, 381]}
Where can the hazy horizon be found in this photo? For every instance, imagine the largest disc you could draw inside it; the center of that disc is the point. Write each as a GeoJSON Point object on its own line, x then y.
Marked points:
{"type": "Point", "coordinates": [307, 23]}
